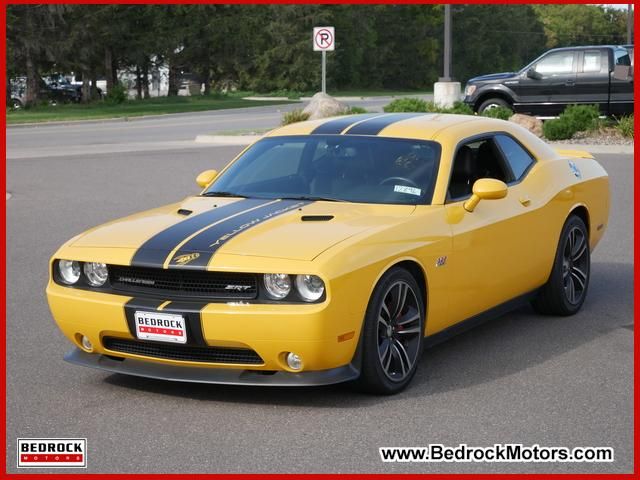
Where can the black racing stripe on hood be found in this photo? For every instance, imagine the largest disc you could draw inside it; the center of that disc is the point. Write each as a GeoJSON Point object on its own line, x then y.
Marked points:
{"type": "Point", "coordinates": [335, 127]}
{"type": "Point", "coordinates": [207, 243]}
{"type": "Point", "coordinates": [376, 125]}
{"type": "Point", "coordinates": [155, 251]}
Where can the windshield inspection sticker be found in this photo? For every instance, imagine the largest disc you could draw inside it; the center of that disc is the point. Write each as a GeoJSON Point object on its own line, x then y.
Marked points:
{"type": "Point", "coordinates": [405, 189]}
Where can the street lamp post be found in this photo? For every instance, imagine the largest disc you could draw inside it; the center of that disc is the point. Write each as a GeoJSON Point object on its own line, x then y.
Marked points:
{"type": "Point", "coordinates": [447, 44]}
{"type": "Point", "coordinates": [446, 91]}
{"type": "Point", "coordinates": [630, 24]}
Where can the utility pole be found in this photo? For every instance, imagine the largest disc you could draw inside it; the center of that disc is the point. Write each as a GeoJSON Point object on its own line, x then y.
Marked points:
{"type": "Point", "coordinates": [630, 24]}
{"type": "Point", "coordinates": [447, 44]}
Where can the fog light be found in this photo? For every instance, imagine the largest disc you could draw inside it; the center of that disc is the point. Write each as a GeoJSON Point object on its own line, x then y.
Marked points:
{"type": "Point", "coordinates": [294, 361]}
{"type": "Point", "coordinates": [86, 344]}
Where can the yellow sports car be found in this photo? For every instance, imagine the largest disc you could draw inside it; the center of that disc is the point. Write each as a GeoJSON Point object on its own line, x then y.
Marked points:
{"type": "Point", "coordinates": [333, 251]}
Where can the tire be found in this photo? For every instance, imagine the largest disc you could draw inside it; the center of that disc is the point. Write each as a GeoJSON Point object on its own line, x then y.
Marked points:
{"type": "Point", "coordinates": [566, 289]}
{"type": "Point", "coordinates": [492, 103]}
{"type": "Point", "coordinates": [391, 349]}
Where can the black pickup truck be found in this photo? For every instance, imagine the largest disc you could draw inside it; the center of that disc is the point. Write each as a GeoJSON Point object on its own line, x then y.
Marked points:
{"type": "Point", "coordinates": [601, 75]}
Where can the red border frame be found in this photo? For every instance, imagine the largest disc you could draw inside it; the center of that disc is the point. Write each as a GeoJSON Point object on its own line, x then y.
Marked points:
{"type": "Point", "coordinates": [3, 335]}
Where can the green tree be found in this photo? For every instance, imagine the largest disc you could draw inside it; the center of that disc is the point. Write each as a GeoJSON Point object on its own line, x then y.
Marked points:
{"type": "Point", "coordinates": [494, 38]}
{"type": "Point", "coordinates": [33, 39]}
{"type": "Point", "coordinates": [567, 25]}
{"type": "Point", "coordinates": [287, 60]}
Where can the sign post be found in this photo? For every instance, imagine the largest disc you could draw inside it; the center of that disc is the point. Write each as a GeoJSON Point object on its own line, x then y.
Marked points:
{"type": "Point", "coordinates": [324, 39]}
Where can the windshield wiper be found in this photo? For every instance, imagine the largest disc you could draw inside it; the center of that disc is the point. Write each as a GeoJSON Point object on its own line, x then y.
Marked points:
{"type": "Point", "coordinates": [222, 194]}
{"type": "Point", "coordinates": [313, 199]}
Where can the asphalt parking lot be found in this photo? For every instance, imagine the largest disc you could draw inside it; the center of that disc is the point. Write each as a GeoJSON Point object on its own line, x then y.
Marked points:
{"type": "Point", "coordinates": [519, 379]}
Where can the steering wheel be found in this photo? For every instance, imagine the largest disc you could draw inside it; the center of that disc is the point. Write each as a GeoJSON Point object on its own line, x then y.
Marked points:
{"type": "Point", "coordinates": [404, 180]}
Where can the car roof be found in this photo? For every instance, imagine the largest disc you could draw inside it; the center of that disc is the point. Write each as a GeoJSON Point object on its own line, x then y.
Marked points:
{"type": "Point", "coordinates": [446, 129]}
{"type": "Point", "coordinates": [583, 47]}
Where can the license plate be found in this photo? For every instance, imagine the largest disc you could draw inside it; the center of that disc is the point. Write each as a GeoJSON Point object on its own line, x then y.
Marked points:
{"type": "Point", "coordinates": [163, 327]}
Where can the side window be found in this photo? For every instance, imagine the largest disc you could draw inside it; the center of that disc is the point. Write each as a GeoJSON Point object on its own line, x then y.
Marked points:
{"type": "Point", "coordinates": [517, 157]}
{"type": "Point", "coordinates": [474, 160]}
{"type": "Point", "coordinates": [591, 61]}
{"type": "Point", "coordinates": [622, 57]}
{"type": "Point", "coordinates": [556, 63]}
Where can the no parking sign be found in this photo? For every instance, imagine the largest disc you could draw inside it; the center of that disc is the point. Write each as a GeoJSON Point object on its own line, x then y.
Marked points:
{"type": "Point", "coordinates": [324, 39]}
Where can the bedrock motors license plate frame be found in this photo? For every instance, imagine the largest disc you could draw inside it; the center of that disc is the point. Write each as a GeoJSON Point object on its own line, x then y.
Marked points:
{"type": "Point", "coordinates": [161, 327]}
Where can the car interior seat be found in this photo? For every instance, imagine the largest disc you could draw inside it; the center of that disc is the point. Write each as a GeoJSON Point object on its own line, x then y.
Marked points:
{"type": "Point", "coordinates": [488, 163]}
{"type": "Point", "coordinates": [463, 174]}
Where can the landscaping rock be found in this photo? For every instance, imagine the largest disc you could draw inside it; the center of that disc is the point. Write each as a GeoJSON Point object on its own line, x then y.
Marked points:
{"type": "Point", "coordinates": [323, 105]}
{"type": "Point", "coordinates": [533, 124]}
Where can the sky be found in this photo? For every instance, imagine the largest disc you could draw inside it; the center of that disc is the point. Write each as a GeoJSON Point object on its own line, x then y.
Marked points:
{"type": "Point", "coordinates": [622, 6]}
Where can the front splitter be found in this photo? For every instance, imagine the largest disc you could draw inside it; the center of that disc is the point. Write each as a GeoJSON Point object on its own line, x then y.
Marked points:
{"type": "Point", "coordinates": [178, 373]}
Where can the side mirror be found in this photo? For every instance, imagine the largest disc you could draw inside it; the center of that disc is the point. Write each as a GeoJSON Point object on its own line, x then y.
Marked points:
{"type": "Point", "coordinates": [531, 73]}
{"type": "Point", "coordinates": [485, 189]}
{"type": "Point", "coordinates": [206, 177]}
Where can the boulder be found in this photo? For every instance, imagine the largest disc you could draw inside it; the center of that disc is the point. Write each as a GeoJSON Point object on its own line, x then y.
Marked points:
{"type": "Point", "coordinates": [533, 124]}
{"type": "Point", "coordinates": [323, 105]}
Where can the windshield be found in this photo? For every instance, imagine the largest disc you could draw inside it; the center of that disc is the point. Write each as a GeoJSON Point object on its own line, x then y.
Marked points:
{"type": "Point", "coordinates": [334, 167]}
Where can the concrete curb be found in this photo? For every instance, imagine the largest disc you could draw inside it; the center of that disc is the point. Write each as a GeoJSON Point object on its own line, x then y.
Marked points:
{"type": "Point", "coordinates": [593, 148]}
{"type": "Point", "coordinates": [269, 99]}
{"type": "Point", "coordinates": [342, 99]}
{"type": "Point", "coordinates": [228, 139]}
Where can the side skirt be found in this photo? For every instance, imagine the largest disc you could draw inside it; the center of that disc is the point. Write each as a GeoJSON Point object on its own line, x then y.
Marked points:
{"type": "Point", "coordinates": [479, 319]}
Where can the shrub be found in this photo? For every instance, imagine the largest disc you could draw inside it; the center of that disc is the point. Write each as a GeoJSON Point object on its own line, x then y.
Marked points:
{"type": "Point", "coordinates": [294, 116]}
{"type": "Point", "coordinates": [418, 105]}
{"type": "Point", "coordinates": [558, 129]}
{"type": "Point", "coordinates": [353, 110]}
{"type": "Point", "coordinates": [581, 117]}
{"type": "Point", "coordinates": [460, 108]}
{"type": "Point", "coordinates": [575, 118]}
{"type": "Point", "coordinates": [406, 105]}
{"type": "Point", "coordinates": [116, 96]}
{"type": "Point", "coordinates": [625, 126]}
{"type": "Point", "coordinates": [501, 113]}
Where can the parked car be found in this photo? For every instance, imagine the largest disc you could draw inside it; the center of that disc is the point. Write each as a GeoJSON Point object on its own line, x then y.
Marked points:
{"type": "Point", "coordinates": [58, 89]}
{"type": "Point", "coordinates": [333, 251]}
{"type": "Point", "coordinates": [600, 75]}
{"type": "Point", "coordinates": [53, 89]}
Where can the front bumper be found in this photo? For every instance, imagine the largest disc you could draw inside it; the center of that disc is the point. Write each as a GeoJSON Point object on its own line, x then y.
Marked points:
{"type": "Point", "coordinates": [324, 335]}
{"type": "Point", "coordinates": [177, 373]}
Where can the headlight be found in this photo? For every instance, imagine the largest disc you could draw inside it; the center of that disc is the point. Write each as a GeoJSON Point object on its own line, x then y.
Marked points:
{"type": "Point", "coordinates": [278, 285]}
{"type": "Point", "coordinates": [469, 90]}
{"type": "Point", "coordinates": [69, 271]}
{"type": "Point", "coordinates": [310, 287]}
{"type": "Point", "coordinates": [96, 273]}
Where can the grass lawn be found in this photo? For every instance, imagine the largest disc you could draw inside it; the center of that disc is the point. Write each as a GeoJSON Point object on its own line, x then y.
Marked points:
{"type": "Point", "coordinates": [131, 108]}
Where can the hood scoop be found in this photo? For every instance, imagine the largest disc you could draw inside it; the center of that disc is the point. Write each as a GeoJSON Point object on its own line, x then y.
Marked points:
{"type": "Point", "coordinates": [316, 218]}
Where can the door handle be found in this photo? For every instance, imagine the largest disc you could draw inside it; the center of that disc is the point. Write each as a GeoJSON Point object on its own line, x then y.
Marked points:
{"type": "Point", "coordinates": [570, 83]}
{"type": "Point", "coordinates": [525, 200]}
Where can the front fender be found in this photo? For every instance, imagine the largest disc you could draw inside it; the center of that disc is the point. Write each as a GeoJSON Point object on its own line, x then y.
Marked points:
{"type": "Point", "coordinates": [492, 90]}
